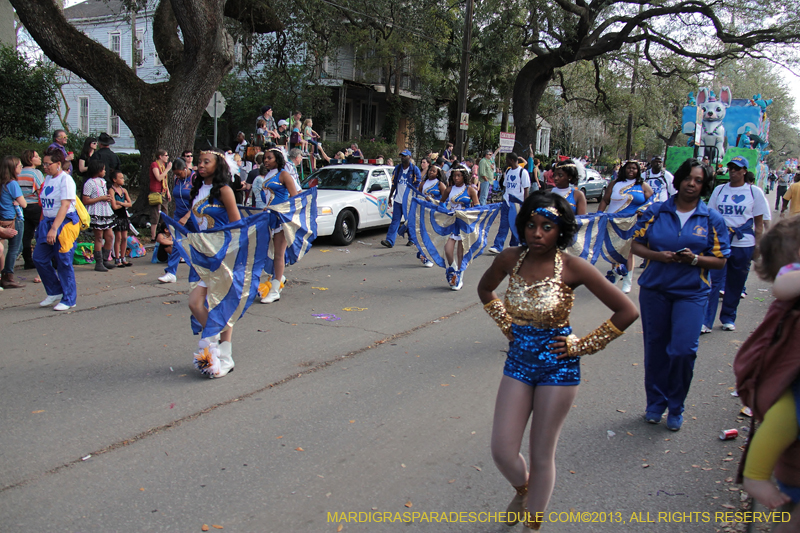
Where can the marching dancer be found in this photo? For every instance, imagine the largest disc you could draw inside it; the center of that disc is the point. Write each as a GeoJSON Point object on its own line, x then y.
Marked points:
{"type": "Point", "coordinates": [542, 371]}
{"type": "Point", "coordinates": [459, 196]}
{"type": "Point", "coordinates": [565, 176]}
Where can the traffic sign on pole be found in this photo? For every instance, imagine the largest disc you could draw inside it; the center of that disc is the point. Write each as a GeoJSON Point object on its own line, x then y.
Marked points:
{"type": "Point", "coordinates": [215, 108]}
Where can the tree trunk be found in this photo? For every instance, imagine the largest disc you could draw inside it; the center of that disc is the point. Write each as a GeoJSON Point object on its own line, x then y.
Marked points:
{"type": "Point", "coordinates": [160, 115]}
{"type": "Point", "coordinates": [529, 87]}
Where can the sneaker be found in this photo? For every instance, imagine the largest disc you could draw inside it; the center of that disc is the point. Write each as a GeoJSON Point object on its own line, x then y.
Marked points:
{"type": "Point", "coordinates": [50, 300]}
{"type": "Point", "coordinates": [704, 329]}
{"type": "Point", "coordinates": [410, 243]}
{"type": "Point", "coordinates": [62, 307]}
{"type": "Point", "coordinates": [493, 250]}
{"type": "Point", "coordinates": [168, 278]}
{"type": "Point", "coordinates": [721, 294]}
{"type": "Point", "coordinates": [728, 327]}
{"type": "Point", "coordinates": [744, 295]}
{"type": "Point", "coordinates": [387, 244]}
{"type": "Point", "coordinates": [644, 264]}
{"type": "Point", "coordinates": [652, 418]}
{"type": "Point", "coordinates": [674, 422]}
{"type": "Point", "coordinates": [428, 263]}
{"type": "Point", "coordinates": [459, 281]}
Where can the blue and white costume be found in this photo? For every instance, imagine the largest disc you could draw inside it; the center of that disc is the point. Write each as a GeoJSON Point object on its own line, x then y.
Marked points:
{"type": "Point", "coordinates": [739, 206]}
{"type": "Point", "coordinates": [569, 195]}
{"type": "Point", "coordinates": [181, 193]}
{"type": "Point", "coordinates": [431, 188]}
{"type": "Point", "coordinates": [59, 281]}
{"type": "Point", "coordinates": [672, 299]}
{"type": "Point", "coordinates": [626, 198]}
{"type": "Point", "coordinates": [403, 179]}
{"type": "Point", "coordinates": [516, 181]}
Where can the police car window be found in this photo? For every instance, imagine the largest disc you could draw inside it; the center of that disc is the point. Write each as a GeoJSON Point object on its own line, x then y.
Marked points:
{"type": "Point", "coordinates": [380, 177]}
{"type": "Point", "coordinates": [339, 179]}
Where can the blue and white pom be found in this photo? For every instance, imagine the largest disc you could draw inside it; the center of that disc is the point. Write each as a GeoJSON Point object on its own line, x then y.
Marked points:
{"type": "Point", "coordinates": [206, 360]}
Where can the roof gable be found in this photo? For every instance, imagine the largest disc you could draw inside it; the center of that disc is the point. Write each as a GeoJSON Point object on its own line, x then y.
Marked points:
{"type": "Point", "coordinates": [94, 9]}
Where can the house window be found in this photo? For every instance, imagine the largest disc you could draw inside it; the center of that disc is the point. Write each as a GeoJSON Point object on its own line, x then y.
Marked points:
{"type": "Point", "coordinates": [113, 122]}
{"type": "Point", "coordinates": [115, 42]}
{"type": "Point", "coordinates": [368, 114]}
{"type": "Point", "coordinates": [83, 114]}
{"type": "Point", "coordinates": [139, 48]}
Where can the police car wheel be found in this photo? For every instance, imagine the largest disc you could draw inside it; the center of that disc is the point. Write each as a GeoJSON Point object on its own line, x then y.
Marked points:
{"type": "Point", "coordinates": [345, 230]}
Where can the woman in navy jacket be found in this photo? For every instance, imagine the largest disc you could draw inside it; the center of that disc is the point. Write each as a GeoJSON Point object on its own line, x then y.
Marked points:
{"type": "Point", "coordinates": [680, 239]}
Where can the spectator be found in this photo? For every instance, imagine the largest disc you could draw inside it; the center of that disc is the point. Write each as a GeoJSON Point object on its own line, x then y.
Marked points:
{"type": "Point", "coordinates": [295, 160]}
{"type": "Point", "coordinates": [261, 132]}
{"type": "Point", "coordinates": [448, 152]}
{"type": "Point", "coordinates": [57, 233]}
{"type": "Point", "coordinates": [296, 138]}
{"type": "Point", "coordinates": [164, 240]}
{"type": "Point", "coordinates": [283, 133]}
{"type": "Point", "coordinates": [485, 175]}
{"type": "Point", "coordinates": [251, 176]}
{"type": "Point", "coordinates": [390, 162]}
{"type": "Point", "coordinates": [297, 116]}
{"type": "Point", "coordinates": [12, 202]}
{"type": "Point", "coordinates": [311, 138]}
{"type": "Point", "coordinates": [270, 130]}
{"type": "Point", "coordinates": [379, 159]}
{"type": "Point", "coordinates": [356, 151]}
{"type": "Point", "coordinates": [181, 192]}
{"type": "Point", "coordinates": [159, 185]}
{"type": "Point", "coordinates": [98, 203]}
{"type": "Point", "coordinates": [60, 139]}
{"type": "Point", "coordinates": [120, 202]}
{"type": "Point", "coordinates": [660, 180]}
{"type": "Point", "coordinates": [783, 185]}
{"type": "Point", "coordinates": [104, 153]}
{"type": "Point", "coordinates": [241, 145]}
{"type": "Point", "coordinates": [791, 197]}
{"type": "Point", "coordinates": [259, 192]}
{"type": "Point", "coordinates": [5, 234]}
{"type": "Point", "coordinates": [89, 147]}
{"type": "Point", "coordinates": [188, 157]}
{"type": "Point", "coordinates": [30, 181]}
{"type": "Point", "coordinates": [517, 186]}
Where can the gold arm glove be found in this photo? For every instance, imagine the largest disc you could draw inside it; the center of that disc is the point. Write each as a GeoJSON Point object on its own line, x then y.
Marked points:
{"type": "Point", "coordinates": [594, 341]}
{"type": "Point", "coordinates": [498, 312]}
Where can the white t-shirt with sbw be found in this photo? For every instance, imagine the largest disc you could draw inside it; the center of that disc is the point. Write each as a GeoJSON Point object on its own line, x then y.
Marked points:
{"type": "Point", "coordinates": [661, 184]}
{"type": "Point", "coordinates": [54, 190]}
{"type": "Point", "coordinates": [516, 181]}
{"type": "Point", "coordinates": [737, 205]}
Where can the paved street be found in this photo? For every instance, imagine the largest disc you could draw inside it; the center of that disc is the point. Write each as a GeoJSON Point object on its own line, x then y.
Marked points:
{"type": "Point", "coordinates": [387, 409]}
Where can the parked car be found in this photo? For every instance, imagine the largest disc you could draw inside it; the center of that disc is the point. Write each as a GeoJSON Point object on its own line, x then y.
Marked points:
{"type": "Point", "coordinates": [593, 185]}
{"type": "Point", "coordinates": [350, 198]}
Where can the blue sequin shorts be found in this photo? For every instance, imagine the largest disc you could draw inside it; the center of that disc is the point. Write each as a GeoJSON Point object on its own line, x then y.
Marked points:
{"type": "Point", "coordinates": [530, 361]}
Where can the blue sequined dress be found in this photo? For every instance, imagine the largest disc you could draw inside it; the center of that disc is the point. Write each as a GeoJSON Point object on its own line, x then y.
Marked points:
{"type": "Point", "coordinates": [539, 312]}
{"type": "Point", "coordinates": [207, 213]}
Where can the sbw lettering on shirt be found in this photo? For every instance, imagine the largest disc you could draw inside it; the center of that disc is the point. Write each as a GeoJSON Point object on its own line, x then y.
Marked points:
{"type": "Point", "coordinates": [48, 203]}
{"type": "Point", "coordinates": [732, 209]}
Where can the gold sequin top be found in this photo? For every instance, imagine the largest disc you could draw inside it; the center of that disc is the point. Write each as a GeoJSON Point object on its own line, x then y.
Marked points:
{"type": "Point", "coordinates": [543, 304]}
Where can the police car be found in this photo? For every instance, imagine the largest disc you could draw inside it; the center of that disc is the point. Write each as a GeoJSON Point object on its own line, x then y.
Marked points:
{"type": "Point", "coordinates": [351, 198]}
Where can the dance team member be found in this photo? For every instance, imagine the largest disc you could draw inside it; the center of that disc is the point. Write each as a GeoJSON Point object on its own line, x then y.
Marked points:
{"type": "Point", "coordinates": [213, 204]}
{"type": "Point", "coordinates": [517, 183]}
{"type": "Point", "coordinates": [626, 195]}
{"type": "Point", "coordinates": [681, 240]}
{"type": "Point", "coordinates": [542, 371]}
{"type": "Point", "coordinates": [565, 176]}
{"type": "Point", "coordinates": [181, 192]}
{"type": "Point", "coordinates": [744, 208]}
{"type": "Point", "coordinates": [433, 187]}
{"type": "Point", "coordinates": [57, 233]}
{"type": "Point", "coordinates": [459, 196]}
{"type": "Point", "coordinates": [281, 186]}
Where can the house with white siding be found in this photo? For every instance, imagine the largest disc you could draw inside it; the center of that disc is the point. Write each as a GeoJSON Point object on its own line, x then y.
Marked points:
{"type": "Point", "coordinates": [109, 23]}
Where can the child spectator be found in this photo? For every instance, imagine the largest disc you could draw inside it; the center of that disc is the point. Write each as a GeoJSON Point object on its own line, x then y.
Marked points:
{"type": "Point", "coordinates": [296, 140]}
{"type": "Point", "coordinates": [164, 240]}
{"type": "Point", "coordinates": [780, 261]}
{"type": "Point", "coordinates": [259, 192]}
{"type": "Point", "coordinates": [310, 137]}
{"type": "Point", "coordinates": [120, 201]}
{"type": "Point", "coordinates": [98, 203]}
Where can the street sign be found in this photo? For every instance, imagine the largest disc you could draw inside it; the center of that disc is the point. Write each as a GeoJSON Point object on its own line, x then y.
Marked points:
{"type": "Point", "coordinates": [215, 108]}
{"type": "Point", "coordinates": [219, 100]}
{"type": "Point", "coordinates": [507, 142]}
{"type": "Point", "coordinates": [464, 121]}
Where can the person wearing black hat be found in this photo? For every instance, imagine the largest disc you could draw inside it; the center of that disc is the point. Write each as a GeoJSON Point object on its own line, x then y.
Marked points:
{"type": "Point", "coordinates": [406, 175]}
{"type": "Point", "coordinates": [104, 153]}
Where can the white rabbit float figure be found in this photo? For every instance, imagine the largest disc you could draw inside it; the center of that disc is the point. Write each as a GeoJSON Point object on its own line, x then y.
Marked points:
{"type": "Point", "coordinates": [713, 132]}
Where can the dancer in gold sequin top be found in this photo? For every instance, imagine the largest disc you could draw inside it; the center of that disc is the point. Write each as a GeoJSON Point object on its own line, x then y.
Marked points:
{"type": "Point", "coordinates": [542, 370]}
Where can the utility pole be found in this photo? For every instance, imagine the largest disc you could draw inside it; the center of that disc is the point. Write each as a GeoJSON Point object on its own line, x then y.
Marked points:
{"type": "Point", "coordinates": [462, 88]}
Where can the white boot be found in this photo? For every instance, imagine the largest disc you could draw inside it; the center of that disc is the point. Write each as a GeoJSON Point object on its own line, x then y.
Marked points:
{"type": "Point", "coordinates": [627, 281]}
{"type": "Point", "coordinates": [206, 359]}
{"type": "Point", "coordinates": [274, 293]}
{"type": "Point", "coordinates": [225, 359]}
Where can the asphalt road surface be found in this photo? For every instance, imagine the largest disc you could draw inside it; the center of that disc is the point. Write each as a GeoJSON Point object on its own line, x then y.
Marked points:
{"type": "Point", "coordinates": [106, 426]}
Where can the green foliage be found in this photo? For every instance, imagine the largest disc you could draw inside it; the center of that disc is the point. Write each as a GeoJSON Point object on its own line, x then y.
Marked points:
{"type": "Point", "coordinates": [370, 148]}
{"type": "Point", "coordinates": [130, 165]}
{"type": "Point", "coordinates": [27, 95]}
{"type": "Point", "coordinates": [12, 146]}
